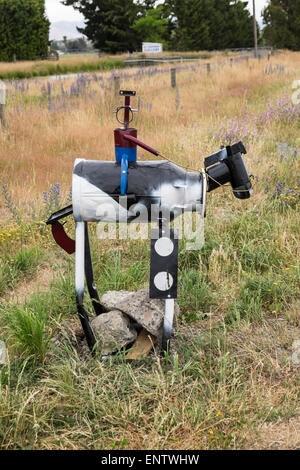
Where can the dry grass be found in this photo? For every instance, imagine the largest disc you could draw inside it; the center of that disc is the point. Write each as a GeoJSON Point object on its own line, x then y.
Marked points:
{"type": "Point", "coordinates": [82, 59]}
{"type": "Point", "coordinates": [283, 435]}
{"type": "Point", "coordinates": [35, 64]}
{"type": "Point", "coordinates": [230, 382]}
{"type": "Point", "coordinates": [67, 64]}
{"type": "Point", "coordinates": [85, 129]}
{"type": "Point", "coordinates": [40, 283]}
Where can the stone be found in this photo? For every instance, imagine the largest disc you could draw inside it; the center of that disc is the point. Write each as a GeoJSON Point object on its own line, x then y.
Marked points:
{"type": "Point", "coordinates": [141, 348]}
{"type": "Point", "coordinates": [113, 331]}
{"type": "Point", "coordinates": [296, 344]}
{"type": "Point", "coordinates": [111, 299]}
{"type": "Point", "coordinates": [295, 358]}
{"type": "Point", "coordinates": [148, 313]}
{"type": "Point", "coordinates": [2, 353]}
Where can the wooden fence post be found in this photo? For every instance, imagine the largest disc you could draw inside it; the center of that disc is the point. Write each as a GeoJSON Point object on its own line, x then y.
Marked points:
{"type": "Point", "coordinates": [2, 103]}
{"type": "Point", "coordinates": [177, 100]}
{"type": "Point", "coordinates": [2, 115]}
{"type": "Point", "coordinates": [173, 78]}
{"type": "Point", "coordinates": [116, 86]}
{"type": "Point", "coordinates": [208, 68]}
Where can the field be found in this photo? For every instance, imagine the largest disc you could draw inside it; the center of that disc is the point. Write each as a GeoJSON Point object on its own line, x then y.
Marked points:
{"type": "Point", "coordinates": [232, 378]}
{"type": "Point", "coordinates": [75, 63]}
{"type": "Point", "coordinates": [72, 63]}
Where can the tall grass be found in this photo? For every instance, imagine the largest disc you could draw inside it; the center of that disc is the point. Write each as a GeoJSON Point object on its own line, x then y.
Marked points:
{"type": "Point", "coordinates": [77, 63]}
{"type": "Point", "coordinates": [14, 268]}
{"type": "Point", "coordinates": [81, 64]}
{"type": "Point", "coordinates": [229, 380]}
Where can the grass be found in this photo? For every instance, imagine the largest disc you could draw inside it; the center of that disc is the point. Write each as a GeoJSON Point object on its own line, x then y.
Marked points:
{"type": "Point", "coordinates": [21, 265]}
{"type": "Point", "coordinates": [229, 381]}
{"type": "Point", "coordinates": [45, 68]}
{"type": "Point", "coordinates": [76, 63]}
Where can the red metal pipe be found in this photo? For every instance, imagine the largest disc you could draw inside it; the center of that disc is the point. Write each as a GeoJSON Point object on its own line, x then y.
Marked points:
{"type": "Point", "coordinates": [62, 239]}
{"type": "Point", "coordinates": [141, 144]}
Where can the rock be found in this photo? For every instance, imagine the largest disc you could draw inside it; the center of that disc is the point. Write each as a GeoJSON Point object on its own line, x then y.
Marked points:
{"type": "Point", "coordinates": [295, 358]}
{"type": "Point", "coordinates": [113, 331]}
{"type": "Point", "coordinates": [2, 353]}
{"type": "Point", "coordinates": [296, 344]}
{"type": "Point", "coordinates": [112, 298]}
{"type": "Point", "coordinates": [148, 313]}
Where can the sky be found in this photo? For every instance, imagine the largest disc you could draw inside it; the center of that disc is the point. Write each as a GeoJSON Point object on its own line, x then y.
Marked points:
{"type": "Point", "coordinates": [259, 6]}
{"type": "Point", "coordinates": [58, 12]}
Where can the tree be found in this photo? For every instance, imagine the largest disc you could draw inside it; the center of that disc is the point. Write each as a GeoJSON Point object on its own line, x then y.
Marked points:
{"type": "Point", "coordinates": [190, 20]}
{"type": "Point", "coordinates": [282, 20]}
{"type": "Point", "coordinates": [24, 29]}
{"type": "Point", "coordinates": [121, 25]}
{"type": "Point", "coordinates": [210, 24]}
{"type": "Point", "coordinates": [108, 23]}
{"type": "Point", "coordinates": [153, 27]}
{"type": "Point", "coordinates": [77, 45]}
{"type": "Point", "coordinates": [231, 25]}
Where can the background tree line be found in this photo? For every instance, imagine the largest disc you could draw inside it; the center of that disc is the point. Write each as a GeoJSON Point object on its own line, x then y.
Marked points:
{"type": "Point", "coordinates": [282, 20]}
{"type": "Point", "coordinates": [122, 25]}
{"type": "Point", "coordinates": [72, 45]}
{"type": "Point", "coordinates": [24, 30]}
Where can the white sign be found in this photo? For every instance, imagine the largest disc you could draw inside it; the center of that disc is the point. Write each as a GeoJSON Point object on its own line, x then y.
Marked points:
{"type": "Point", "coordinates": [152, 47]}
{"type": "Point", "coordinates": [2, 92]}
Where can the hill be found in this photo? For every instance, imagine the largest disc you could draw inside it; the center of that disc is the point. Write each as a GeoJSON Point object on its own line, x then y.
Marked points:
{"type": "Point", "coordinates": [59, 29]}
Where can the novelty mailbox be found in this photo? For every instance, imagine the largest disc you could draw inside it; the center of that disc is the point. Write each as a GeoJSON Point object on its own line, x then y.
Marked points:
{"type": "Point", "coordinates": [127, 191]}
